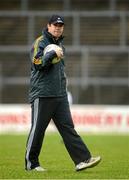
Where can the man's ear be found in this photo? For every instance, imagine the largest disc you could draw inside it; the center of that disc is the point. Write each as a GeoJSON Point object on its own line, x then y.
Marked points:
{"type": "Point", "coordinates": [48, 25]}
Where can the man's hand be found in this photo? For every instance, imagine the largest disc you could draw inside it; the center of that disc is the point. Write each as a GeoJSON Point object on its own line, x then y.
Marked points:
{"type": "Point", "coordinates": [59, 52]}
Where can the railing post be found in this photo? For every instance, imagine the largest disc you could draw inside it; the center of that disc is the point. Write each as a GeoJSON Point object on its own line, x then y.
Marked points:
{"type": "Point", "coordinates": [112, 4]}
{"type": "Point", "coordinates": [76, 29]}
{"type": "Point", "coordinates": [85, 66]}
{"type": "Point", "coordinates": [1, 83]}
{"type": "Point", "coordinates": [66, 5]}
{"type": "Point", "coordinates": [24, 5]}
{"type": "Point", "coordinates": [31, 29]}
{"type": "Point", "coordinates": [123, 29]}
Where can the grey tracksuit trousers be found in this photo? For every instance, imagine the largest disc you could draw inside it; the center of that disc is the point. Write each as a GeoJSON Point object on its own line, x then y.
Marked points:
{"type": "Point", "coordinates": [56, 108]}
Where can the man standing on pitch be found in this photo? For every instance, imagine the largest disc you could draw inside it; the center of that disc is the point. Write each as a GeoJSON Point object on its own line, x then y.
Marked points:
{"type": "Point", "coordinates": [48, 98]}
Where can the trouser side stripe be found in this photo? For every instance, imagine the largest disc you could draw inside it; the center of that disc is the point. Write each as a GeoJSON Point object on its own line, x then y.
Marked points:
{"type": "Point", "coordinates": [31, 136]}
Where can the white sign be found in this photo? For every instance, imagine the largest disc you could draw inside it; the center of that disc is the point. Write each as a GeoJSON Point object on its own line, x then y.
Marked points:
{"type": "Point", "coordinates": [92, 118]}
{"type": "Point", "coordinates": [101, 118]}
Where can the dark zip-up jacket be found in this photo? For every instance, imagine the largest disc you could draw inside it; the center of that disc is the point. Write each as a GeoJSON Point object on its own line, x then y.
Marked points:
{"type": "Point", "coordinates": [47, 79]}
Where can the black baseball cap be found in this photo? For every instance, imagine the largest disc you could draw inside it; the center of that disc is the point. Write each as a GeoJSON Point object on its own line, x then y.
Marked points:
{"type": "Point", "coordinates": [56, 19]}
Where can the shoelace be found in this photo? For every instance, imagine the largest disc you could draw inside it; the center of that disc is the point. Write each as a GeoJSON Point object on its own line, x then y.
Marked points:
{"type": "Point", "coordinates": [88, 160]}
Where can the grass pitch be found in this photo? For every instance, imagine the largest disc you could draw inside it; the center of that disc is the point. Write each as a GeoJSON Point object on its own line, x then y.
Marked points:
{"type": "Point", "coordinates": [114, 150]}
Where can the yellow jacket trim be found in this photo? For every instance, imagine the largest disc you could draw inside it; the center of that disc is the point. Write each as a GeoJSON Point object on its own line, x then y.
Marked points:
{"type": "Point", "coordinates": [38, 60]}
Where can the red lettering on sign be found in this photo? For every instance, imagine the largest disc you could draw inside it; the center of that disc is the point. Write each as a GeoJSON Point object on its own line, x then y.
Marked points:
{"type": "Point", "coordinates": [14, 118]}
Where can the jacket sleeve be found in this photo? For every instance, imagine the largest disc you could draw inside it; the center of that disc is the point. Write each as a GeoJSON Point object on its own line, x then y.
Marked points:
{"type": "Point", "coordinates": [40, 60]}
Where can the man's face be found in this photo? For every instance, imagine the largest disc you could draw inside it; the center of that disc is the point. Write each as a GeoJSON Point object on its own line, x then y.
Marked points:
{"type": "Point", "coordinates": [56, 29]}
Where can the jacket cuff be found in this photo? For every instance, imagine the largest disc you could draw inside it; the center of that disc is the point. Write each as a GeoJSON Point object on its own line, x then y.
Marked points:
{"type": "Point", "coordinates": [48, 57]}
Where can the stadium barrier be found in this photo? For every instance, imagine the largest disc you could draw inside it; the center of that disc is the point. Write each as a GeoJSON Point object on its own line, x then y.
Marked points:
{"type": "Point", "coordinates": [87, 118]}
